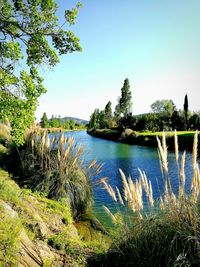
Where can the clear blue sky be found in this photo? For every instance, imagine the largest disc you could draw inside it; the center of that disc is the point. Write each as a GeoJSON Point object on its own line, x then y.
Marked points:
{"type": "Point", "coordinates": [156, 44]}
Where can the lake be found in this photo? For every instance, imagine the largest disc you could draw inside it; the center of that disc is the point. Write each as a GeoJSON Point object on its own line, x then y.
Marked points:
{"type": "Point", "coordinates": [129, 158]}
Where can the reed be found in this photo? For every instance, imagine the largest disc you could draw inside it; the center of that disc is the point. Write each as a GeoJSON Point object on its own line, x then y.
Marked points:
{"type": "Point", "coordinates": [167, 232]}
{"type": "Point", "coordinates": [54, 165]}
{"type": "Point", "coordinates": [5, 131]}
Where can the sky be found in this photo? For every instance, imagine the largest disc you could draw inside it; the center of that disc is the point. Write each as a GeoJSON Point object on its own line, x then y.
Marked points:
{"type": "Point", "coordinates": [153, 43]}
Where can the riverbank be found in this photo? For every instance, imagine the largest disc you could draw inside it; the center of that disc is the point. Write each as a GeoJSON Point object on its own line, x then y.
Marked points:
{"type": "Point", "coordinates": [128, 136]}
{"type": "Point", "coordinates": [37, 231]}
{"type": "Point", "coordinates": [60, 130]}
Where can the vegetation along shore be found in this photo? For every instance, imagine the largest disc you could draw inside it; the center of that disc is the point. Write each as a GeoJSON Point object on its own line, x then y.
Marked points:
{"type": "Point", "coordinates": [120, 125]}
{"type": "Point", "coordinates": [48, 183]}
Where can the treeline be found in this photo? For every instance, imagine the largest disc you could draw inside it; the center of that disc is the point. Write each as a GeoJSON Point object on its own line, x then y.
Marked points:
{"type": "Point", "coordinates": [58, 122]}
{"type": "Point", "coordinates": [101, 119]}
{"type": "Point", "coordinates": [164, 115]}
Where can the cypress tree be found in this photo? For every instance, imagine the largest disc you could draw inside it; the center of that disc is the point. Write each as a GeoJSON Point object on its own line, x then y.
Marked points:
{"type": "Point", "coordinates": [185, 108]}
{"type": "Point", "coordinates": [44, 121]}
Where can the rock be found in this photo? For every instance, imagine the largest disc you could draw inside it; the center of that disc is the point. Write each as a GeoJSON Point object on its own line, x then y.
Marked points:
{"type": "Point", "coordinates": [28, 255]}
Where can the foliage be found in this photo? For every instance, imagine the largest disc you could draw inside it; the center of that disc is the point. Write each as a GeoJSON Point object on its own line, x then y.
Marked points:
{"type": "Point", "coordinates": [58, 122]}
{"type": "Point", "coordinates": [30, 36]}
{"type": "Point", "coordinates": [163, 106]}
{"type": "Point", "coordinates": [194, 121]}
{"type": "Point", "coordinates": [185, 108]}
{"type": "Point", "coordinates": [124, 104]}
{"type": "Point", "coordinates": [163, 110]}
{"type": "Point", "coordinates": [177, 121]}
{"type": "Point", "coordinates": [94, 120]}
{"type": "Point", "coordinates": [127, 122]}
{"type": "Point", "coordinates": [44, 121]}
{"type": "Point", "coordinates": [108, 114]}
{"type": "Point", "coordinates": [125, 99]}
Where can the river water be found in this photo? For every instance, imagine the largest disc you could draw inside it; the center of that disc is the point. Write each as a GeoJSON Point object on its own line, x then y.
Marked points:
{"type": "Point", "coordinates": [129, 158]}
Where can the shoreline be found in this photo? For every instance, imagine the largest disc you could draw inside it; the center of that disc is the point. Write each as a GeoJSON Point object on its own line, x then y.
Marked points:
{"type": "Point", "coordinates": [128, 136]}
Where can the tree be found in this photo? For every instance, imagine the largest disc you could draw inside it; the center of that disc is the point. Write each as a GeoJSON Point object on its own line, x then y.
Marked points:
{"type": "Point", "coordinates": [117, 114]}
{"type": "Point", "coordinates": [103, 123]}
{"type": "Point", "coordinates": [30, 36]}
{"type": "Point", "coordinates": [108, 113]}
{"type": "Point", "coordinates": [94, 120]}
{"type": "Point", "coordinates": [71, 124]}
{"type": "Point", "coordinates": [177, 120]}
{"type": "Point", "coordinates": [194, 121]}
{"type": "Point", "coordinates": [163, 109]}
{"type": "Point", "coordinates": [128, 122]}
{"type": "Point", "coordinates": [125, 103]}
{"type": "Point", "coordinates": [44, 121]}
{"type": "Point", "coordinates": [164, 106]}
{"type": "Point", "coordinates": [54, 122]}
{"type": "Point", "coordinates": [185, 108]}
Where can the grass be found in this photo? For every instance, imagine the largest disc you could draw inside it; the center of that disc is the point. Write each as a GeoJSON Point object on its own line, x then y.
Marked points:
{"type": "Point", "coordinates": [168, 235]}
{"type": "Point", "coordinates": [55, 166]}
{"type": "Point", "coordinates": [47, 220]}
{"type": "Point", "coordinates": [9, 190]}
{"type": "Point", "coordinates": [35, 215]}
{"type": "Point", "coordinates": [171, 133]}
{"type": "Point", "coordinates": [10, 229]}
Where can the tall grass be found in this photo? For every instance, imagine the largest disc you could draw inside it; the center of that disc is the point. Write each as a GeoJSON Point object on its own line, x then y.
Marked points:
{"type": "Point", "coordinates": [5, 131]}
{"type": "Point", "coordinates": [168, 232]}
{"type": "Point", "coordinates": [55, 165]}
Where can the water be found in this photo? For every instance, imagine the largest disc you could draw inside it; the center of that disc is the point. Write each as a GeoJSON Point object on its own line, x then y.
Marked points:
{"type": "Point", "coordinates": [128, 158]}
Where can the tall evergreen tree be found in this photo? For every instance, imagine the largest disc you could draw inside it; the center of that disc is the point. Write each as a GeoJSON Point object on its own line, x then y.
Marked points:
{"type": "Point", "coordinates": [185, 108]}
{"type": "Point", "coordinates": [125, 103]}
{"type": "Point", "coordinates": [103, 123]}
{"type": "Point", "coordinates": [117, 114]}
{"type": "Point", "coordinates": [108, 113]}
{"type": "Point", "coordinates": [44, 121]}
{"type": "Point", "coordinates": [94, 120]}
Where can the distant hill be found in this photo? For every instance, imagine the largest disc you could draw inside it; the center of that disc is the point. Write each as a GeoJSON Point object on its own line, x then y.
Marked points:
{"type": "Point", "coordinates": [77, 120]}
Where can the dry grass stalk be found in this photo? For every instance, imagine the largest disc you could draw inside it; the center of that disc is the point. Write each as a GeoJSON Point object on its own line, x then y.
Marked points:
{"type": "Point", "coordinates": [176, 146]}
{"type": "Point", "coordinates": [110, 214]}
{"type": "Point", "coordinates": [195, 148]}
{"type": "Point", "coordinates": [182, 175]}
{"type": "Point", "coordinates": [110, 190]}
{"type": "Point", "coordinates": [5, 131]}
{"type": "Point", "coordinates": [163, 154]}
{"type": "Point", "coordinates": [164, 145]}
{"type": "Point", "coordinates": [119, 196]}
{"type": "Point", "coordinates": [161, 203]}
{"type": "Point", "coordinates": [195, 179]}
{"type": "Point", "coordinates": [127, 192]}
{"type": "Point", "coordinates": [151, 199]}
